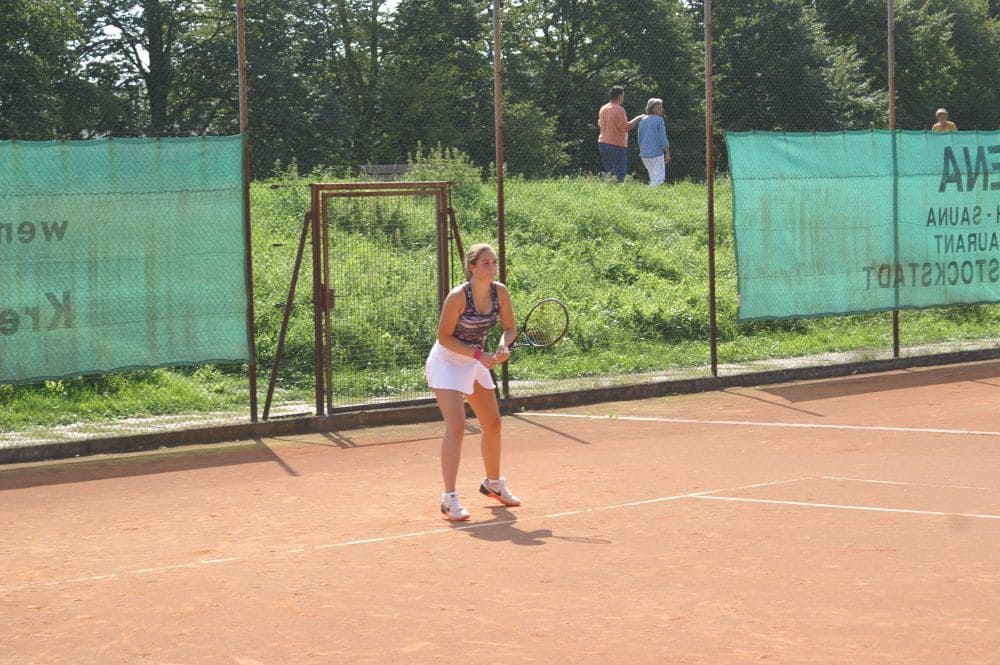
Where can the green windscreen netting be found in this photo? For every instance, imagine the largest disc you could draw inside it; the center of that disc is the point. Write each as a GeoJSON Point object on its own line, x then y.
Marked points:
{"type": "Point", "coordinates": [120, 253]}
{"type": "Point", "coordinates": [849, 222]}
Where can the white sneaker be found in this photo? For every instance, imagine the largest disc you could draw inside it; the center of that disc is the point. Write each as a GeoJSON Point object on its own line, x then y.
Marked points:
{"type": "Point", "coordinates": [497, 489]}
{"type": "Point", "coordinates": [452, 508]}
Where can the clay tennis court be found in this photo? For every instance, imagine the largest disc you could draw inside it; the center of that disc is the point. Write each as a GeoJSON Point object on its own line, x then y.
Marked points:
{"type": "Point", "coordinates": [840, 521]}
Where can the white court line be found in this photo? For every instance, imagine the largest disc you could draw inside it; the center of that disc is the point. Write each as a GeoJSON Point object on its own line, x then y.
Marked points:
{"type": "Point", "coordinates": [92, 578]}
{"type": "Point", "coordinates": [896, 482]}
{"type": "Point", "coordinates": [158, 569]}
{"type": "Point", "coordinates": [706, 495]}
{"type": "Point", "coordinates": [676, 497]}
{"type": "Point", "coordinates": [400, 536]}
{"type": "Point", "coordinates": [836, 506]}
{"type": "Point", "coordinates": [458, 526]}
{"type": "Point", "coordinates": [753, 423]}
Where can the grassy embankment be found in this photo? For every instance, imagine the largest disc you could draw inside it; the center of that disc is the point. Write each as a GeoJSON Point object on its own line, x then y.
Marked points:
{"type": "Point", "coordinates": [629, 261]}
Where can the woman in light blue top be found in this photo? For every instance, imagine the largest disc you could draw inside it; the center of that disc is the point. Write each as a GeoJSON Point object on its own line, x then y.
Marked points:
{"type": "Point", "coordinates": [654, 148]}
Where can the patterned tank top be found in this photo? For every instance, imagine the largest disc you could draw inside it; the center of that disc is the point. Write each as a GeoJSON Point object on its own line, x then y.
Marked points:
{"type": "Point", "coordinates": [473, 327]}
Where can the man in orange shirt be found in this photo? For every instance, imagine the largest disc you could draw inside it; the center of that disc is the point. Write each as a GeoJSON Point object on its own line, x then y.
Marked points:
{"type": "Point", "coordinates": [613, 140]}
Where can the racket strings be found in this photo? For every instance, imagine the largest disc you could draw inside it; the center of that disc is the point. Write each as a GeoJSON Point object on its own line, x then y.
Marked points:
{"type": "Point", "coordinates": [538, 337]}
{"type": "Point", "coordinates": [545, 324]}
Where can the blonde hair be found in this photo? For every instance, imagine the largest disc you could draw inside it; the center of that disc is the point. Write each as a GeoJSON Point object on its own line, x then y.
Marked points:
{"type": "Point", "coordinates": [652, 104]}
{"type": "Point", "coordinates": [473, 254]}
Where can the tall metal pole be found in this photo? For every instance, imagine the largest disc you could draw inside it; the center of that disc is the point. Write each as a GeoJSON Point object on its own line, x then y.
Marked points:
{"type": "Point", "coordinates": [892, 64]}
{"type": "Point", "coordinates": [498, 132]}
{"type": "Point", "coordinates": [241, 49]}
{"type": "Point", "coordinates": [710, 189]}
{"type": "Point", "coordinates": [319, 300]}
{"type": "Point", "coordinates": [892, 127]}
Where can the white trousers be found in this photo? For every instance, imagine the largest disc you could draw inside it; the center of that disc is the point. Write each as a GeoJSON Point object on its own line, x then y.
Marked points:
{"type": "Point", "coordinates": [657, 168]}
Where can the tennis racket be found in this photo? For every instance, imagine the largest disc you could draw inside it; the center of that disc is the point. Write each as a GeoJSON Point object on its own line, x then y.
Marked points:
{"type": "Point", "coordinates": [545, 324]}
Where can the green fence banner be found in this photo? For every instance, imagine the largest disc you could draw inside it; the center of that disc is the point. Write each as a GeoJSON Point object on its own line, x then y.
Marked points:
{"type": "Point", "coordinates": [851, 222]}
{"type": "Point", "coordinates": [121, 253]}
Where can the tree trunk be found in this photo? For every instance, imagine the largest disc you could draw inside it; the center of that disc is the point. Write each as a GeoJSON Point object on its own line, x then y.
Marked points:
{"type": "Point", "coordinates": [159, 74]}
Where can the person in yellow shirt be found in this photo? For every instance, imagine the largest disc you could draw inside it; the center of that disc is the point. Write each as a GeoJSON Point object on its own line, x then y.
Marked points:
{"type": "Point", "coordinates": [943, 124]}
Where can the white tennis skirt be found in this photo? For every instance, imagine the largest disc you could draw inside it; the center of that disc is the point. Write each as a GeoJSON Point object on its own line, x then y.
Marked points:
{"type": "Point", "coordinates": [447, 370]}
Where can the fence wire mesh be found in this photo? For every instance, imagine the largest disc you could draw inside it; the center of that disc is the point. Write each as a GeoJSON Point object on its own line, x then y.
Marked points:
{"type": "Point", "coordinates": [382, 274]}
{"type": "Point", "coordinates": [120, 253]}
{"type": "Point", "coordinates": [363, 89]}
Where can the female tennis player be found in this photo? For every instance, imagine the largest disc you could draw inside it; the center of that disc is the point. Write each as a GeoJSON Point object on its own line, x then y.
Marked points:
{"type": "Point", "coordinates": [458, 368]}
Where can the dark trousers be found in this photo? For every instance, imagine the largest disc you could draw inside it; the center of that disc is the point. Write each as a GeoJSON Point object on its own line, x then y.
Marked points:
{"type": "Point", "coordinates": [615, 160]}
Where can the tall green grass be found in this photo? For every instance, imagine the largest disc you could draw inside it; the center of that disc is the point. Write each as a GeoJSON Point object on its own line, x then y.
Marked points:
{"type": "Point", "coordinates": [137, 393]}
{"type": "Point", "coordinates": [629, 261]}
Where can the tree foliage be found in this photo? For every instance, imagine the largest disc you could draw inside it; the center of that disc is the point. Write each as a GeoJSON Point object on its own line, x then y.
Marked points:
{"type": "Point", "coordinates": [42, 92]}
{"type": "Point", "coordinates": [167, 61]}
{"type": "Point", "coordinates": [437, 78]}
{"type": "Point", "coordinates": [334, 84]}
{"type": "Point", "coordinates": [564, 55]}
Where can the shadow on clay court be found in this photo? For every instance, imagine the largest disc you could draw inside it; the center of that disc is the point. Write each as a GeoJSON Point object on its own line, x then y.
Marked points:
{"type": "Point", "coordinates": [346, 442]}
{"type": "Point", "coordinates": [986, 373]}
{"type": "Point", "coordinates": [745, 395]}
{"type": "Point", "coordinates": [502, 527]}
{"type": "Point", "coordinates": [553, 430]}
{"type": "Point", "coordinates": [140, 464]}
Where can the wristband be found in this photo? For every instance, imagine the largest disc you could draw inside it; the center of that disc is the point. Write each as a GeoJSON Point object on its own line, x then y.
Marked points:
{"type": "Point", "coordinates": [478, 353]}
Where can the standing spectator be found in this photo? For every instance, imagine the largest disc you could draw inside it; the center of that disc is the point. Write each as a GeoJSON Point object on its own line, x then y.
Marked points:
{"type": "Point", "coordinates": [654, 147]}
{"type": "Point", "coordinates": [613, 140]}
{"type": "Point", "coordinates": [943, 124]}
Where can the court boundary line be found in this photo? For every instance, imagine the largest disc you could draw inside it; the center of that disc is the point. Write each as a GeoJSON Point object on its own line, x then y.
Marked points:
{"type": "Point", "coordinates": [703, 495]}
{"type": "Point", "coordinates": [907, 484]}
{"type": "Point", "coordinates": [98, 577]}
{"type": "Point", "coordinates": [756, 423]}
{"type": "Point", "coordinates": [876, 509]}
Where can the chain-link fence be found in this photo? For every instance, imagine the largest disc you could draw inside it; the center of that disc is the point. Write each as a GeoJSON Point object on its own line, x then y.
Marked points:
{"type": "Point", "coordinates": [836, 66]}
{"type": "Point", "coordinates": [365, 89]}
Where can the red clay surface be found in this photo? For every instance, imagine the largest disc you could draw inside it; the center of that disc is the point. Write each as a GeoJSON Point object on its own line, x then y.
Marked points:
{"type": "Point", "coordinates": [842, 521]}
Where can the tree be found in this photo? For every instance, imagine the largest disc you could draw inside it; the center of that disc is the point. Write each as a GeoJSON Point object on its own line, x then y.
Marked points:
{"type": "Point", "coordinates": [42, 95]}
{"type": "Point", "coordinates": [148, 52]}
{"type": "Point", "coordinates": [970, 86]}
{"type": "Point", "coordinates": [777, 70]}
{"type": "Point", "coordinates": [531, 144]}
{"type": "Point", "coordinates": [436, 82]}
{"type": "Point", "coordinates": [357, 30]}
{"type": "Point", "coordinates": [564, 55]}
{"type": "Point", "coordinates": [863, 26]}
{"type": "Point", "coordinates": [203, 96]}
{"type": "Point", "coordinates": [857, 102]}
{"type": "Point", "coordinates": [926, 63]}
{"type": "Point", "coordinates": [289, 46]}
{"type": "Point", "coordinates": [946, 54]}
